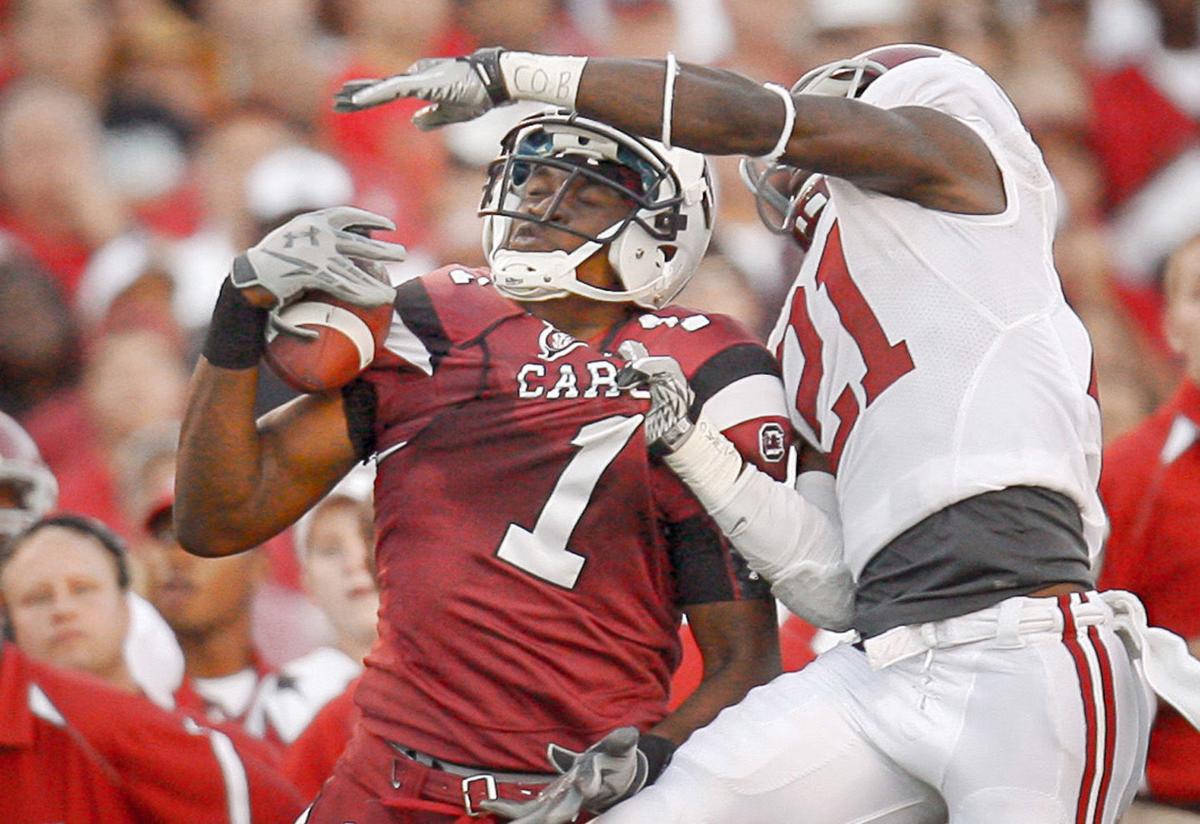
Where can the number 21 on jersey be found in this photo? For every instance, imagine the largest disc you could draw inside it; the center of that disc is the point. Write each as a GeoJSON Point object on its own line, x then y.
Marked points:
{"type": "Point", "coordinates": [885, 362]}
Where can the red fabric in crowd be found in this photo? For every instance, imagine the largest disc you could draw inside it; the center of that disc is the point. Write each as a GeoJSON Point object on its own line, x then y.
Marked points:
{"type": "Point", "coordinates": [64, 434]}
{"type": "Point", "coordinates": [1153, 551]}
{"type": "Point", "coordinates": [62, 255]}
{"type": "Point", "coordinates": [1135, 130]}
{"type": "Point", "coordinates": [73, 748]}
{"type": "Point", "coordinates": [309, 761]}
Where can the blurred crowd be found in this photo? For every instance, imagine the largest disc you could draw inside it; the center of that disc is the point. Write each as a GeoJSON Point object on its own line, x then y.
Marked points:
{"type": "Point", "coordinates": [144, 142]}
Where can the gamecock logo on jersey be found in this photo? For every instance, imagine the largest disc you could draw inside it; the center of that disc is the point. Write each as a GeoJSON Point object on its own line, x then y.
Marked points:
{"type": "Point", "coordinates": [771, 442]}
{"type": "Point", "coordinates": [555, 343]}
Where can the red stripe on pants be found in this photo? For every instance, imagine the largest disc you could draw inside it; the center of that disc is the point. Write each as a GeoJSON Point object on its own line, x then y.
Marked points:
{"type": "Point", "coordinates": [1091, 733]}
{"type": "Point", "coordinates": [1110, 720]}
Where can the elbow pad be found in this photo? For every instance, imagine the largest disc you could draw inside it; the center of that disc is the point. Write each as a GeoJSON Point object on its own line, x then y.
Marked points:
{"type": "Point", "coordinates": [794, 543]}
{"type": "Point", "coordinates": [791, 537]}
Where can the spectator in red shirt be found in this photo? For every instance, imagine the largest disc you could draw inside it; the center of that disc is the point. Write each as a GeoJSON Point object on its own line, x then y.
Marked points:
{"type": "Point", "coordinates": [1150, 486]}
{"type": "Point", "coordinates": [75, 749]}
{"type": "Point", "coordinates": [310, 760]}
{"type": "Point", "coordinates": [134, 377]}
{"type": "Point", "coordinates": [56, 199]}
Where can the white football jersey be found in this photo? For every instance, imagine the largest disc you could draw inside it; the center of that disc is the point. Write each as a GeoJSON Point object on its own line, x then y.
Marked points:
{"type": "Point", "coordinates": [932, 355]}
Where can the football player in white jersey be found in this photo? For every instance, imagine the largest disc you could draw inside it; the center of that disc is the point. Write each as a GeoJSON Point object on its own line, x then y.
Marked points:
{"type": "Point", "coordinates": [928, 351]}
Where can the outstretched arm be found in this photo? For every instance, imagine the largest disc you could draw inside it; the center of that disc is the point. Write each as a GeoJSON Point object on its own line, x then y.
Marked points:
{"type": "Point", "coordinates": [915, 153]}
{"type": "Point", "coordinates": [789, 535]}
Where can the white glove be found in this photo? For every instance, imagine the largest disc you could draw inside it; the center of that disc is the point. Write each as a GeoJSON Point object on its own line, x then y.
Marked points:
{"type": "Point", "coordinates": [609, 771]}
{"type": "Point", "coordinates": [667, 423]}
{"type": "Point", "coordinates": [314, 251]}
{"type": "Point", "coordinates": [458, 88]}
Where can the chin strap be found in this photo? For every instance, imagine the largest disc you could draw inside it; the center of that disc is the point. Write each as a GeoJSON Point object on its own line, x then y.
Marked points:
{"type": "Point", "coordinates": [533, 276]}
{"type": "Point", "coordinates": [514, 272]}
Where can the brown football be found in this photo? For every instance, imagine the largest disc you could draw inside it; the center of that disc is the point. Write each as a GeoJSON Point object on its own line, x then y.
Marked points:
{"type": "Point", "coordinates": [347, 339]}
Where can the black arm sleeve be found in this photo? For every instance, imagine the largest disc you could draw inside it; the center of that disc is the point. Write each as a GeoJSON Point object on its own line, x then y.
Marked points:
{"type": "Point", "coordinates": [359, 399]}
{"type": "Point", "coordinates": [706, 567]}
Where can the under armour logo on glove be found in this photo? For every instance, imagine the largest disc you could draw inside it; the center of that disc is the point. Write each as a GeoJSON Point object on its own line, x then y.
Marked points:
{"type": "Point", "coordinates": [609, 771]}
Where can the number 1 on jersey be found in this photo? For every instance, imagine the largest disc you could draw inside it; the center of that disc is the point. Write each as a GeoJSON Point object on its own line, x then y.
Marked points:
{"type": "Point", "coordinates": [543, 551]}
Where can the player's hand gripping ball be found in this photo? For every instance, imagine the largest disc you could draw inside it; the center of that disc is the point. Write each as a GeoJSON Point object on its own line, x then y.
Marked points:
{"type": "Point", "coordinates": [335, 299]}
{"type": "Point", "coordinates": [343, 342]}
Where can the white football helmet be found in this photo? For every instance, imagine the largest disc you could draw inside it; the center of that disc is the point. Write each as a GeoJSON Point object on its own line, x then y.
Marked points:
{"type": "Point", "coordinates": [22, 470]}
{"type": "Point", "coordinates": [789, 200]}
{"type": "Point", "coordinates": [654, 249]}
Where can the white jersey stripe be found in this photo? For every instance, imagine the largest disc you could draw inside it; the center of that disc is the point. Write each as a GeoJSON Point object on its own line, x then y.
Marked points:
{"type": "Point", "coordinates": [237, 786]}
{"type": "Point", "coordinates": [41, 706]}
{"type": "Point", "coordinates": [755, 396]}
{"type": "Point", "coordinates": [402, 343]}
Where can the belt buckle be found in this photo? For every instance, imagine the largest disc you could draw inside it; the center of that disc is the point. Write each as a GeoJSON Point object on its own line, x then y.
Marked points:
{"type": "Point", "coordinates": [489, 790]}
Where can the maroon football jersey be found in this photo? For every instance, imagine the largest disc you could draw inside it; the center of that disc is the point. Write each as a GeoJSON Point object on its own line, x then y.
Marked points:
{"type": "Point", "coordinates": [530, 551]}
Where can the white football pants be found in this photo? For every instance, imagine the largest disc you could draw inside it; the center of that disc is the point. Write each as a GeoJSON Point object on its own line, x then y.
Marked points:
{"type": "Point", "coordinates": [1029, 712]}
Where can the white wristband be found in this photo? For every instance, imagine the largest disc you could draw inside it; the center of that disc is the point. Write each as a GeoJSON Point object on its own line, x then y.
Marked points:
{"type": "Point", "coordinates": [669, 98]}
{"type": "Point", "coordinates": [544, 78]}
{"type": "Point", "coordinates": [708, 463]}
{"type": "Point", "coordinates": [789, 121]}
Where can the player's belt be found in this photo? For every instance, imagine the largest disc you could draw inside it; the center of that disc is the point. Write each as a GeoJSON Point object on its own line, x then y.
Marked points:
{"type": "Point", "coordinates": [1003, 623]}
{"type": "Point", "coordinates": [471, 785]}
{"type": "Point", "coordinates": [436, 763]}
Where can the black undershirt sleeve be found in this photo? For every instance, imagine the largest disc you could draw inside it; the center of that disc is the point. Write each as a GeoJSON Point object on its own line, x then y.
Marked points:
{"type": "Point", "coordinates": [359, 400]}
{"type": "Point", "coordinates": [706, 567]}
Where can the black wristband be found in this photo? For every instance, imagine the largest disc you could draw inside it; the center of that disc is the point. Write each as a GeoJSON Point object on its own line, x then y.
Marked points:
{"type": "Point", "coordinates": [236, 336]}
{"type": "Point", "coordinates": [487, 63]}
{"type": "Point", "coordinates": [658, 752]}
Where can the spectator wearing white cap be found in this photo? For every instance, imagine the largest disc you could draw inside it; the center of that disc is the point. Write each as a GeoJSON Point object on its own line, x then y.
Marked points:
{"type": "Point", "coordinates": [335, 544]}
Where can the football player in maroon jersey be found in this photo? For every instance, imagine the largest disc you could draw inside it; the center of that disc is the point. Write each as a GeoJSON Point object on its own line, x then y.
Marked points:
{"type": "Point", "coordinates": [533, 557]}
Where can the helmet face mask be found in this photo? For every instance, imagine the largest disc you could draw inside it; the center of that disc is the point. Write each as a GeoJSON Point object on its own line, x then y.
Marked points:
{"type": "Point", "coordinates": [653, 247]}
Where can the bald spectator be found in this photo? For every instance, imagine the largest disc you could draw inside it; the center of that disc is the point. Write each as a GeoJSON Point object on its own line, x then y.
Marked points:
{"type": "Point", "coordinates": [134, 377]}
{"type": "Point", "coordinates": [1150, 486]}
{"type": "Point", "coordinates": [40, 28]}
{"type": "Point", "coordinates": [64, 586]}
{"type": "Point", "coordinates": [63, 583]}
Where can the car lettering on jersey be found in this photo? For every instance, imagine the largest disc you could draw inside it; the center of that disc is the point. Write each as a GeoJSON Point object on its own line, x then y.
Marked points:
{"type": "Point", "coordinates": [597, 378]}
{"type": "Point", "coordinates": [554, 343]}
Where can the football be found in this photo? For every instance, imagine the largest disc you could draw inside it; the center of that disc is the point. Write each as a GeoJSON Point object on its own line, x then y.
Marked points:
{"type": "Point", "coordinates": [347, 338]}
